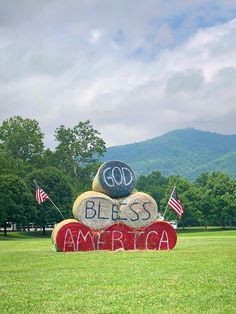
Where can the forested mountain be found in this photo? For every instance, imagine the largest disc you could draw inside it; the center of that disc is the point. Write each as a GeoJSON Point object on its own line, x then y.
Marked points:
{"type": "Point", "coordinates": [186, 152]}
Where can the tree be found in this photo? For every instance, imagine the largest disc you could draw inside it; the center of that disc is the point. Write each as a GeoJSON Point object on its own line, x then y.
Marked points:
{"type": "Point", "coordinates": [22, 138]}
{"type": "Point", "coordinates": [10, 165]}
{"type": "Point", "coordinates": [59, 188]}
{"type": "Point", "coordinates": [154, 184]}
{"type": "Point", "coordinates": [79, 149]}
{"type": "Point", "coordinates": [15, 200]}
{"type": "Point", "coordinates": [218, 201]}
{"type": "Point", "coordinates": [189, 196]}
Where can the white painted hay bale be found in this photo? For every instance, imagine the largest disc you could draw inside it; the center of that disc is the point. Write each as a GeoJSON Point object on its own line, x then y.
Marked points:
{"type": "Point", "coordinates": [95, 210]}
{"type": "Point", "coordinates": [114, 178]}
{"type": "Point", "coordinates": [138, 210]}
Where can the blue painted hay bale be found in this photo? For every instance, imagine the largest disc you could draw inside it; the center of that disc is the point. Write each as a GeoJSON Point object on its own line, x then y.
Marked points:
{"type": "Point", "coordinates": [114, 178]}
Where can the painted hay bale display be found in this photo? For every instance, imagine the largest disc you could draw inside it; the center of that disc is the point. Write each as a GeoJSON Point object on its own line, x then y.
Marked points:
{"type": "Point", "coordinates": [159, 235]}
{"type": "Point", "coordinates": [114, 178]}
{"type": "Point", "coordinates": [73, 236]}
{"type": "Point", "coordinates": [67, 237]}
{"type": "Point", "coordinates": [114, 217]}
{"type": "Point", "coordinates": [58, 226]}
{"type": "Point", "coordinates": [95, 210]}
{"type": "Point", "coordinates": [138, 210]}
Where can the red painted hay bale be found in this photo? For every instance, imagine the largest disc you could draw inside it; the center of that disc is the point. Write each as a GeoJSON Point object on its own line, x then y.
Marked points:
{"type": "Point", "coordinates": [58, 227]}
{"type": "Point", "coordinates": [159, 235]}
{"type": "Point", "coordinates": [72, 236]}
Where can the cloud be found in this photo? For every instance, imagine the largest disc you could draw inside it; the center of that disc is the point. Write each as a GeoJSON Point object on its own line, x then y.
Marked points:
{"type": "Point", "coordinates": [95, 36]}
{"type": "Point", "coordinates": [135, 76]}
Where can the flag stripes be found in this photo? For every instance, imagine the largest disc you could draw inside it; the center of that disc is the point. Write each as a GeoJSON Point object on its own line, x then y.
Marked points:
{"type": "Point", "coordinates": [41, 196]}
{"type": "Point", "coordinates": [175, 203]}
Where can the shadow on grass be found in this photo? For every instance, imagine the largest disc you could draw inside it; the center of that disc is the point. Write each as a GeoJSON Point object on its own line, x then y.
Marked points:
{"type": "Point", "coordinates": [18, 235]}
{"type": "Point", "coordinates": [203, 229]}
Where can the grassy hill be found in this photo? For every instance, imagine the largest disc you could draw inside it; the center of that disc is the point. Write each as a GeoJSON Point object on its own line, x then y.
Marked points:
{"type": "Point", "coordinates": [185, 152]}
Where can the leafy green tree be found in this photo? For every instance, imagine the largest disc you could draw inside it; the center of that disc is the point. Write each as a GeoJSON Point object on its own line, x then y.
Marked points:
{"type": "Point", "coordinates": [189, 196]}
{"type": "Point", "coordinates": [228, 209]}
{"type": "Point", "coordinates": [10, 165]}
{"type": "Point", "coordinates": [218, 202]}
{"type": "Point", "coordinates": [15, 201]}
{"type": "Point", "coordinates": [79, 151]}
{"type": "Point", "coordinates": [154, 184]}
{"type": "Point", "coordinates": [22, 138]}
{"type": "Point", "coordinates": [59, 188]}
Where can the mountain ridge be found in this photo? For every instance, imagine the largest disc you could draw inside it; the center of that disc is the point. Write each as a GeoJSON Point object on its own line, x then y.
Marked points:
{"type": "Point", "coordinates": [181, 152]}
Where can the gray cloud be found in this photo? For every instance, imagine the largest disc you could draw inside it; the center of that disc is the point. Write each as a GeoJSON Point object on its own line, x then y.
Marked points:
{"type": "Point", "coordinates": [123, 65]}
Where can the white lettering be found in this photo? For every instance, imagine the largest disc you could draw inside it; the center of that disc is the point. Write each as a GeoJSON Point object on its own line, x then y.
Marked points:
{"type": "Point", "coordinates": [115, 177]}
{"type": "Point", "coordinates": [100, 242]}
{"type": "Point", "coordinates": [84, 238]}
{"type": "Point", "coordinates": [125, 177]}
{"type": "Point", "coordinates": [68, 242]}
{"type": "Point", "coordinates": [111, 184]}
{"type": "Point", "coordinates": [166, 240]}
{"type": "Point", "coordinates": [149, 233]}
{"type": "Point", "coordinates": [136, 234]}
{"type": "Point", "coordinates": [113, 239]}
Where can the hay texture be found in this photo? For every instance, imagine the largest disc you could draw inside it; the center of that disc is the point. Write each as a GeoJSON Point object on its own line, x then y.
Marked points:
{"type": "Point", "coordinates": [58, 234]}
{"type": "Point", "coordinates": [114, 178]}
{"type": "Point", "coordinates": [73, 236]}
{"type": "Point", "coordinates": [95, 210]}
{"type": "Point", "coordinates": [138, 210]}
{"type": "Point", "coordinates": [114, 216]}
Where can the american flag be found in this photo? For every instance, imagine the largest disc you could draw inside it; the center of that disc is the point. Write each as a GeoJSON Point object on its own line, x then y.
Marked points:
{"type": "Point", "coordinates": [41, 196]}
{"type": "Point", "coordinates": [175, 203]}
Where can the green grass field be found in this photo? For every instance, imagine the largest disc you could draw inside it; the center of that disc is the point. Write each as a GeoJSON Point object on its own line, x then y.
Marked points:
{"type": "Point", "coordinates": [198, 276]}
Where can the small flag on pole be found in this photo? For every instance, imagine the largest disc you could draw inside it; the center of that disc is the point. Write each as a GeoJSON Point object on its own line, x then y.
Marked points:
{"type": "Point", "coordinates": [41, 196]}
{"type": "Point", "coordinates": [175, 203]}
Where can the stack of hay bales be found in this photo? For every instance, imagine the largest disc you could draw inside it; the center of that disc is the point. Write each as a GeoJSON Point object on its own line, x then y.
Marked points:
{"type": "Point", "coordinates": [112, 200]}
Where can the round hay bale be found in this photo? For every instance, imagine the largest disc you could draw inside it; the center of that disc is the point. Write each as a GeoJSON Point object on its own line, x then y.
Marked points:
{"type": "Point", "coordinates": [116, 237]}
{"type": "Point", "coordinates": [159, 235]}
{"type": "Point", "coordinates": [114, 178]}
{"type": "Point", "coordinates": [119, 201]}
{"type": "Point", "coordinates": [64, 235]}
{"type": "Point", "coordinates": [138, 210]}
{"type": "Point", "coordinates": [95, 210]}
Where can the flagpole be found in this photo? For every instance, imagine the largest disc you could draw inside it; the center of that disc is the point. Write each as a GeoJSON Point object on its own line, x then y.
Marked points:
{"type": "Point", "coordinates": [50, 200]}
{"type": "Point", "coordinates": [168, 202]}
{"type": "Point", "coordinates": [56, 207]}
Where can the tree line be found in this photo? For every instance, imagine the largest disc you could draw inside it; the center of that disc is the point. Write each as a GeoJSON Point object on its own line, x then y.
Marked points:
{"type": "Point", "coordinates": [209, 200]}
{"type": "Point", "coordinates": [69, 169]}
{"type": "Point", "coordinates": [63, 172]}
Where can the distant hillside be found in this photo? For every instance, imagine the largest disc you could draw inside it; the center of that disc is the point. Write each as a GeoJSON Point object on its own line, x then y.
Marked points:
{"type": "Point", "coordinates": [186, 152]}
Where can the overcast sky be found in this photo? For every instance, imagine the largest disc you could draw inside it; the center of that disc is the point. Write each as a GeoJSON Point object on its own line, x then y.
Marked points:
{"type": "Point", "coordinates": [135, 69]}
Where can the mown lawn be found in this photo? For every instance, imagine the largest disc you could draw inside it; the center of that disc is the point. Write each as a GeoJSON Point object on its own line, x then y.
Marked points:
{"type": "Point", "coordinates": [198, 276]}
